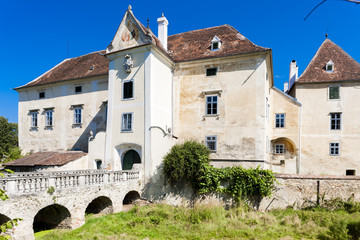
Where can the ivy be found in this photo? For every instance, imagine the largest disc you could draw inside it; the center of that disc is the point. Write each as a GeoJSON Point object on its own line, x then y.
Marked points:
{"type": "Point", "coordinates": [190, 163]}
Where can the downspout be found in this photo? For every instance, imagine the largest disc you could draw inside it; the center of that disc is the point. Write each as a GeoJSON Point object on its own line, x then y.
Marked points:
{"type": "Point", "coordinates": [298, 162]}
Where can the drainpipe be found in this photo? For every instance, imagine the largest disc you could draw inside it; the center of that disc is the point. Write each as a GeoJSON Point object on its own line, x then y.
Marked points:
{"type": "Point", "coordinates": [298, 162]}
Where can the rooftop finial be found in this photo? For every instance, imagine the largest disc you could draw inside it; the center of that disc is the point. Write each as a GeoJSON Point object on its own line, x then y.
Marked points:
{"type": "Point", "coordinates": [129, 7]}
{"type": "Point", "coordinates": [162, 14]}
{"type": "Point", "coordinates": [326, 35]}
{"type": "Point", "coordinates": [148, 23]}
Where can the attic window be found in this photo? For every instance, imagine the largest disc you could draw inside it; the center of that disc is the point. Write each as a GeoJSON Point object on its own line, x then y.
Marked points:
{"type": "Point", "coordinates": [78, 89]}
{"type": "Point", "coordinates": [92, 68]}
{"type": "Point", "coordinates": [41, 94]}
{"type": "Point", "coordinates": [215, 44]}
{"type": "Point", "coordinates": [330, 67]}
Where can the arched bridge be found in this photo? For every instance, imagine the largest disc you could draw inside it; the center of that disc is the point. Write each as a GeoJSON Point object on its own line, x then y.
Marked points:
{"type": "Point", "coordinates": [46, 200]}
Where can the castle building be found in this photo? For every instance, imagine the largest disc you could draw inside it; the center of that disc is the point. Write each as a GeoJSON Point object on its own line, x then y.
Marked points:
{"type": "Point", "coordinates": [126, 106]}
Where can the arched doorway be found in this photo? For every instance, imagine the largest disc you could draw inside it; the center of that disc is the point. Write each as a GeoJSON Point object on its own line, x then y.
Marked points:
{"type": "Point", "coordinates": [50, 217]}
{"type": "Point", "coordinates": [100, 205]}
{"type": "Point", "coordinates": [130, 157]}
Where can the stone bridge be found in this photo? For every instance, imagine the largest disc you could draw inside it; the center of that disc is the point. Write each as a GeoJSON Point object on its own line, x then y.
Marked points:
{"type": "Point", "coordinates": [46, 200]}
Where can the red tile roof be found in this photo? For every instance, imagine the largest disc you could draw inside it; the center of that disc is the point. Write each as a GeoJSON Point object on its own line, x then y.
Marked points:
{"type": "Point", "coordinates": [345, 67]}
{"type": "Point", "coordinates": [89, 65]}
{"type": "Point", "coordinates": [47, 159]}
{"type": "Point", "coordinates": [193, 45]}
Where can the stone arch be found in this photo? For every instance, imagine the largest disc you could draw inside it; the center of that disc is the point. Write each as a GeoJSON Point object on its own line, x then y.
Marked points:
{"type": "Point", "coordinates": [288, 143]}
{"type": "Point", "coordinates": [131, 197]}
{"type": "Point", "coordinates": [130, 149]}
{"type": "Point", "coordinates": [100, 204]}
{"type": "Point", "coordinates": [52, 216]}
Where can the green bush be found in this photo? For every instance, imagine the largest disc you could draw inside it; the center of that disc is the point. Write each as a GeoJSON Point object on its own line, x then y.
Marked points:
{"type": "Point", "coordinates": [354, 229]}
{"type": "Point", "coordinates": [190, 163]}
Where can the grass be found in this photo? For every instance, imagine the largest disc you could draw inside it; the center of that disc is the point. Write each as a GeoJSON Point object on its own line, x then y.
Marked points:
{"type": "Point", "coordinates": [159, 221]}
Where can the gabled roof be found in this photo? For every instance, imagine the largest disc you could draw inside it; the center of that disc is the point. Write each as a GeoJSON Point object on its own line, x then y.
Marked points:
{"type": "Point", "coordinates": [46, 159]}
{"type": "Point", "coordinates": [89, 65]}
{"type": "Point", "coordinates": [345, 67]}
{"type": "Point", "coordinates": [196, 45]}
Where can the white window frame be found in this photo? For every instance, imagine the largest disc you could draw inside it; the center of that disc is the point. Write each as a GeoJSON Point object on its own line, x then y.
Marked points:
{"type": "Point", "coordinates": [328, 65]}
{"type": "Point", "coordinates": [337, 125]}
{"type": "Point", "coordinates": [123, 89]}
{"type": "Point", "coordinates": [209, 140]}
{"type": "Point", "coordinates": [334, 149]}
{"type": "Point", "coordinates": [279, 149]}
{"type": "Point", "coordinates": [34, 119]}
{"type": "Point", "coordinates": [280, 116]}
{"type": "Point", "coordinates": [217, 41]}
{"type": "Point", "coordinates": [334, 86]}
{"type": "Point", "coordinates": [49, 118]}
{"type": "Point", "coordinates": [212, 103]}
{"type": "Point", "coordinates": [125, 122]}
{"type": "Point", "coordinates": [77, 115]}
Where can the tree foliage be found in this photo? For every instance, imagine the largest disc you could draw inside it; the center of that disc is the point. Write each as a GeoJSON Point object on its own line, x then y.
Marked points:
{"type": "Point", "coordinates": [190, 163]}
{"type": "Point", "coordinates": [9, 149]}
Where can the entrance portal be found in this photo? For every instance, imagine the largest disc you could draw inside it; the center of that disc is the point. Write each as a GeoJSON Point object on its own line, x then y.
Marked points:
{"type": "Point", "coordinates": [129, 159]}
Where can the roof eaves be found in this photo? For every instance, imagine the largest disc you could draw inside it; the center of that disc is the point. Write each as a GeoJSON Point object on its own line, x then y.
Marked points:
{"type": "Point", "coordinates": [287, 96]}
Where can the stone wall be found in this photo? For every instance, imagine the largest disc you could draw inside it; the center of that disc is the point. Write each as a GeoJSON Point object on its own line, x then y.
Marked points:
{"type": "Point", "coordinates": [305, 190]}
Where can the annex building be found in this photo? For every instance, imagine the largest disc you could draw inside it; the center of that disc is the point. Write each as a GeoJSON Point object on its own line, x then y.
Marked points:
{"type": "Point", "coordinates": [124, 107]}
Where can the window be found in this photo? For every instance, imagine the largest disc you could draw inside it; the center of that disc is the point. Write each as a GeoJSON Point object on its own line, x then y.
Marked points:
{"type": "Point", "coordinates": [34, 119]}
{"type": "Point", "coordinates": [280, 120]}
{"type": "Point", "coordinates": [279, 148]}
{"type": "Point", "coordinates": [98, 164]}
{"type": "Point", "coordinates": [334, 92]}
{"type": "Point", "coordinates": [211, 142]}
{"type": "Point", "coordinates": [49, 118]}
{"type": "Point", "coordinates": [127, 122]}
{"type": "Point", "coordinates": [78, 89]}
{"type": "Point", "coordinates": [41, 94]}
{"type": "Point", "coordinates": [77, 115]}
{"type": "Point", "coordinates": [211, 71]}
{"type": "Point", "coordinates": [128, 90]}
{"type": "Point", "coordinates": [215, 43]}
{"type": "Point", "coordinates": [334, 149]}
{"type": "Point", "coordinates": [211, 105]}
{"type": "Point", "coordinates": [330, 67]}
{"type": "Point", "coordinates": [335, 121]}
{"type": "Point", "coordinates": [350, 172]}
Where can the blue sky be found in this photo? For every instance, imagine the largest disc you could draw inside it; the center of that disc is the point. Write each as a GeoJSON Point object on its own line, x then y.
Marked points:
{"type": "Point", "coordinates": [34, 34]}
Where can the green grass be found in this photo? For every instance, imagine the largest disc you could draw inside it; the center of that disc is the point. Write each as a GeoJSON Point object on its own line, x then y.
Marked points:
{"type": "Point", "coordinates": [159, 221]}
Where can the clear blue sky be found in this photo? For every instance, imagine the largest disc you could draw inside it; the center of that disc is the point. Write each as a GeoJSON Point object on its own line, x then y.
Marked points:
{"type": "Point", "coordinates": [34, 34]}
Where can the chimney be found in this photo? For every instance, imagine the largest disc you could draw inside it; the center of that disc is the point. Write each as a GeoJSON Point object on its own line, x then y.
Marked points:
{"type": "Point", "coordinates": [286, 86]}
{"type": "Point", "coordinates": [293, 75]}
{"type": "Point", "coordinates": [163, 30]}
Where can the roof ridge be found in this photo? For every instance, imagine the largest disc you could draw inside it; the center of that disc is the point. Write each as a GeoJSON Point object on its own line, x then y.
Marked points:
{"type": "Point", "coordinates": [224, 25]}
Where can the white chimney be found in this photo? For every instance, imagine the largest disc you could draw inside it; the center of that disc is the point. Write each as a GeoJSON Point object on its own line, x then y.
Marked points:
{"type": "Point", "coordinates": [293, 75]}
{"type": "Point", "coordinates": [163, 30]}
{"type": "Point", "coordinates": [286, 86]}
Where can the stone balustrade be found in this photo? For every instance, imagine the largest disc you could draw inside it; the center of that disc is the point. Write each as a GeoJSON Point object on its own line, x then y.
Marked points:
{"type": "Point", "coordinates": [33, 182]}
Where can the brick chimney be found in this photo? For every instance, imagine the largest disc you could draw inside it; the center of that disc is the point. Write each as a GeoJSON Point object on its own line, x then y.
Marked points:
{"type": "Point", "coordinates": [293, 75]}
{"type": "Point", "coordinates": [163, 30]}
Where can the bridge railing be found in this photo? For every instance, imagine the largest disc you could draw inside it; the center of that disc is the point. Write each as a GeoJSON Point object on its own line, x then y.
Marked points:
{"type": "Point", "coordinates": [32, 182]}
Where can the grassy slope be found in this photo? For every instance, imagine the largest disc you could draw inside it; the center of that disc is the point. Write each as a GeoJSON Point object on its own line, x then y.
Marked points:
{"type": "Point", "coordinates": [210, 222]}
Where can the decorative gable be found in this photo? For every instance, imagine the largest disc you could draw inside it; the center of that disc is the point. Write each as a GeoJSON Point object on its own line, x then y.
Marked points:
{"type": "Point", "coordinates": [131, 33]}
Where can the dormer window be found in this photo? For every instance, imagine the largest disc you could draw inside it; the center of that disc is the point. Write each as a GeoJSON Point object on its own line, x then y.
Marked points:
{"type": "Point", "coordinates": [330, 67]}
{"type": "Point", "coordinates": [215, 44]}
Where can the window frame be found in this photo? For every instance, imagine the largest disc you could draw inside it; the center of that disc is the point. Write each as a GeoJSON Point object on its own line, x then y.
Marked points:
{"type": "Point", "coordinates": [329, 64]}
{"type": "Point", "coordinates": [209, 141]}
{"type": "Point", "coordinates": [329, 92]}
{"type": "Point", "coordinates": [76, 87]}
{"type": "Point", "coordinates": [207, 71]}
{"type": "Point", "coordinates": [280, 147]}
{"type": "Point", "coordinates": [76, 114]}
{"type": "Point", "coordinates": [49, 118]}
{"type": "Point", "coordinates": [34, 120]}
{"type": "Point", "coordinates": [283, 125]}
{"type": "Point", "coordinates": [334, 149]}
{"type": "Point", "coordinates": [123, 129]}
{"type": "Point", "coordinates": [337, 121]}
{"type": "Point", "coordinates": [212, 105]}
{"type": "Point", "coordinates": [42, 93]}
{"type": "Point", "coordinates": [123, 89]}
